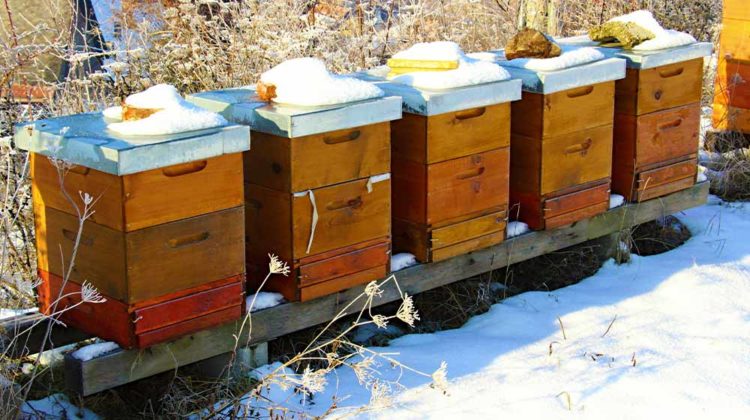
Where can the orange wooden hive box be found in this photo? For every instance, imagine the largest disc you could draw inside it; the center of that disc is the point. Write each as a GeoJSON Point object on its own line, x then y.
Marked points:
{"type": "Point", "coordinates": [657, 121]}
{"type": "Point", "coordinates": [451, 165]}
{"type": "Point", "coordinates": [732, 86]}
{"type": "Point", "coordinates": [165, 242]}
{"type": "Point", "coordinates": [561, 143]}
{"type": "Point", "coordinates": [317, 190]}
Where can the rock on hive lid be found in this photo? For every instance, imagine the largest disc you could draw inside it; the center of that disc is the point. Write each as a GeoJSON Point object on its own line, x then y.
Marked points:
{"type": "Point", "coordinates": [242, 106]}
{"type": "Point", "coordinates": [647, 59]}
{"type": "Point", "coordinates": [84, 140]}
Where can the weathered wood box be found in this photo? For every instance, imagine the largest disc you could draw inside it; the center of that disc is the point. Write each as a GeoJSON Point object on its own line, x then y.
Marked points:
{"type": "Point", "coordinates": [561, 143]}
{"type": "Point", "coordinates": [317, 190]}
{"type": "Point", "coordinates": [732, 86]}
{"type": "Point", "coordinates": [657, 120]}
{"type": "Point", "coordinates": [167, 231]}
{"type": "Point", "coordinates": [451, 157]}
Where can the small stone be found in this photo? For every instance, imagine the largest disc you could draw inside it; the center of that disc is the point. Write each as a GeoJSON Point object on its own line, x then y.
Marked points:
{"type": "Point", "coordinates": [624, 34]}
{"type": "Point", "coordinates": [531, 43]}
{"type": "Point", "coordinates": [266, 92]}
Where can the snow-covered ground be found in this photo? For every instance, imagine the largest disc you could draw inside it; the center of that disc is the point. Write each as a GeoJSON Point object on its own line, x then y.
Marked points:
{"type": "Point", "coordinates": [679, 345]}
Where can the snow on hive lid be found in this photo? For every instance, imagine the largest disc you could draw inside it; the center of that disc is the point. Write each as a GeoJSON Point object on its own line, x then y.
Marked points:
{"type": "Point", "coordinates": [647, 59]}
{"type": "Point", "coordinates": [86, 140]}
{"type": "Point", "coordinates": [663, 38]}
{"type": "Point", "coordinates": [570, 70]}
{"type": "Point", "coordinates": [242, 106]}
{"type": "Point", "coordinates": [307, 82]}
{"type": "Point", "coordinates": [160, 110]}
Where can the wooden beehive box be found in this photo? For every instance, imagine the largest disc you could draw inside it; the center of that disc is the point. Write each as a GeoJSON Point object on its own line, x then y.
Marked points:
{"type": "Point", "coordinates": [561, 143]}
{"type": "Point", "coordinates": [317, 190]}
{"type": "Point", "coordinates": [732, 85]}
{"type": "Point", "coordinates": [168, 221]}
{"type": "Point", "coordinates": [657, 120]}
{"type": "Point", "coordinates": [451, 157]}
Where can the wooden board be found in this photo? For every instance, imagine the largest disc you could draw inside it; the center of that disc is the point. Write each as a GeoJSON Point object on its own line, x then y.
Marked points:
{"type": "Point", "coordinates": [318, 160]}
{"type": "Point", "coordinates": [123, 366]}
{"type": "Point", "coordinates": [425, 242]}
{"type": "Point", "coordinates": [324, 273]}
{"type": "Point", "coordinates": [731, 118]}
{"type": "Point", "coordinates": [562, 207]}
{"type": "Point", "coordinates": [735, 40]}
{"type": "Point", "coordinates": [145, 323]}
{"type": "Point", "coordinates": [659, 88]}
{"type": "Point", "coordinates": [451, 135]}
{"type": "Point", "coordinates": [736, 9]}
{"type": "Point", "coordinates": [565, 112]}
{"type": "Point", "coordinates": [180, 255]}
{"type": "Point", "coordinates": [733, 84]}
{"type": "Point", "coordinates": [131, 202]}
{"type": "Point", "coordinates": [666, 179]}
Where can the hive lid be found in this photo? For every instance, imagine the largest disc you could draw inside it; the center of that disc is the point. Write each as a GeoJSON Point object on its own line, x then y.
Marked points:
{"type": "Point", "coordinates": [547, 82]}
{"type": "Point", "coordinates": [643, 60]}
{"type": "Point", "coordinates": [433, 102]}
{"type": "Point", "coordinates": [84, 140]}
{"type": "Point", "coordinates": [242, 106]}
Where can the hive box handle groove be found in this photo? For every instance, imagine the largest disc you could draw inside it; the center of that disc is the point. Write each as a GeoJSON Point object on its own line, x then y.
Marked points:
{"type": "Point", "coordinates": [188, 240]}
{"type": "Point", "coordinates": [354, 135]}
{"type": "Point", "coordinates": [471, 113]}
{"type": "Point", "coordinates": [185, 168]}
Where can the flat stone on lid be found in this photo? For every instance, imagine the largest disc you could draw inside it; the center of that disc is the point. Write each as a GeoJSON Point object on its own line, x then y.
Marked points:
{"type": "Point", "coordinates": [84, 140]}
{"type": "Point", "coordinates": [434, 102]}
{"type": "Point", "coordinates": [547, 82]}
{"type": "Point", "coordinates": [647, 59]}
{"type": "Point", "coordinates": [242, 106]}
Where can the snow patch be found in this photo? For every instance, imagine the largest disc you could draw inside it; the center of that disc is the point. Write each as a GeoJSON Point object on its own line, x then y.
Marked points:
{"type": "Point", "coordinates": [113, 113]}
{"type": "Point", "coordinates": [701, 177]}
{"type": "Point", "coordinates": [517, 229]}
{"type": "Point", "coordinates": [93, 351]}
{"type": "Point", "coordinates": [402, 261]}
{"type": "Point", "coordinates": [664, 38]}
{"type": "Point", "coordinates": [571, 56]}
{"type": "Point", "coordinates": [616, 200]}
{"type": "Point", "coordinates": [176, 115]}
{"type": "Point", "coordinates": [6, 313]}
{"type": "Point", "coordinates": [471, 71]}
{"type": "Point", "coordinates": [307, 82]}
{"type": "Point", "coordinates": [56, 406]}
{"type": "Point", "coordinates": [263, 300]}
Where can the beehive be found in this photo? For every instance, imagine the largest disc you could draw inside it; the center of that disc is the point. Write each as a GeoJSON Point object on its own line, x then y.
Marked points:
{"type": "Point", "coordinates": [317, 190]}
{"type": "Point", "coordinates": [732, 87]}
{"type": "Point", "coordinates": [561, 143]}
{"type": "Point", "coordinates": [657, 120]}
{"type": "Point", "coordinates": [166, 234]}
{"type": "Point", "coordinates": [451, 157]}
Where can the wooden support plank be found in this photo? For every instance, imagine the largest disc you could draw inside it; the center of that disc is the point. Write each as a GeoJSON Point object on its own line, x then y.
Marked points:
{"type": "Point", "coordinates": [124, 366]}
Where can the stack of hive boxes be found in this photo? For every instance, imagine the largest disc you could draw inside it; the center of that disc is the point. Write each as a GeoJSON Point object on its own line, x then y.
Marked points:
{"type": "Point", "coordinates": [451, 159]}
{"type": "Point", "coordinates": [561, 143]}
{"type": "Point", "coordinates": [317, 192]}
{"type": "Point", "coordinates": [732, 92]}
{"type": "Point", "coordinates": [165, 242]}
{"type": "Point", "coordinates": [657, 122]}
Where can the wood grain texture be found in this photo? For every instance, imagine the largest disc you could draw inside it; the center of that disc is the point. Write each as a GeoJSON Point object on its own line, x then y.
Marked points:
{"type": "Point", "coordinates": [659, 88]}
{"type": "Point", "coordinates": [736, 9]}
{"type": "Point", "coordinates": [144, 199]}
{"type": "Point", "coordinates": [576, 159]}
{"type": "Point", "coordinates": [347, 214]}
{"type": "Point", "coordinates": [126, 324]}
{"type": "Point", "coordinates": [577, 203]}
{"type": "Point", "coordinates": [474, 244]}
{"type": "Point", "coordinates": [342, 265]}
{"type": "Point", "coordinates": [460, 188]}
{"type": "Point", "coordinates": [308, 162]}
{"type": "Point", "coordinates": [735, 40]}
{"type": "Point", "coordinates": [125, 366]}
{"type": "Point", "coordinates": [731, 118]}
{"type": "Point", "coordinates": [538, 115]}
{"type": "Point", "coordinates": [651, 184]}
{"type": "Point", "coordinates": [451, 135]}
{"type": "Point", "coordinates": [123, 265]}
{"type": "Point", "coordinates": [731, 85]}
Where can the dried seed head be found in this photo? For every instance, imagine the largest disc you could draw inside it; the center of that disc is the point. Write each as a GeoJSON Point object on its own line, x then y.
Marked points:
{"type": "Point", "coordinates": [314, 381]}
{"type": "Point", "coordinates": [440, 378]}
{"type": "Point", "coordinates": [373, 289]}
{"type": "Point", "coordinates": [407, 312]}
{"type": "Point", "coordinates": [276, 266]}
{"type": "Point", "coordinates": [381, 321]}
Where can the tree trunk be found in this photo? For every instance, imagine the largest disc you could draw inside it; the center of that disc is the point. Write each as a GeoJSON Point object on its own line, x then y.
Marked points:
{"type": "Point", "coordinates": [538, 14]}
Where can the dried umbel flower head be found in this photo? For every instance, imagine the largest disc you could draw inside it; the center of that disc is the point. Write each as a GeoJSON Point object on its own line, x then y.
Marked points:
{"type": "Point", "coordinates": [314, 381]}
{"type": "Point", "coordinates": [90, 294]}
{"type": "Point", "coordinates": [381, 321]}
{"type": "Point", "coordinates": [406, 312]}
{"type": "Point", "coordinates": [440, 378]}
{"type": "Point", "coordinates": [373, 289]}
{"type": "Point", "coordinates": [276, 266]}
